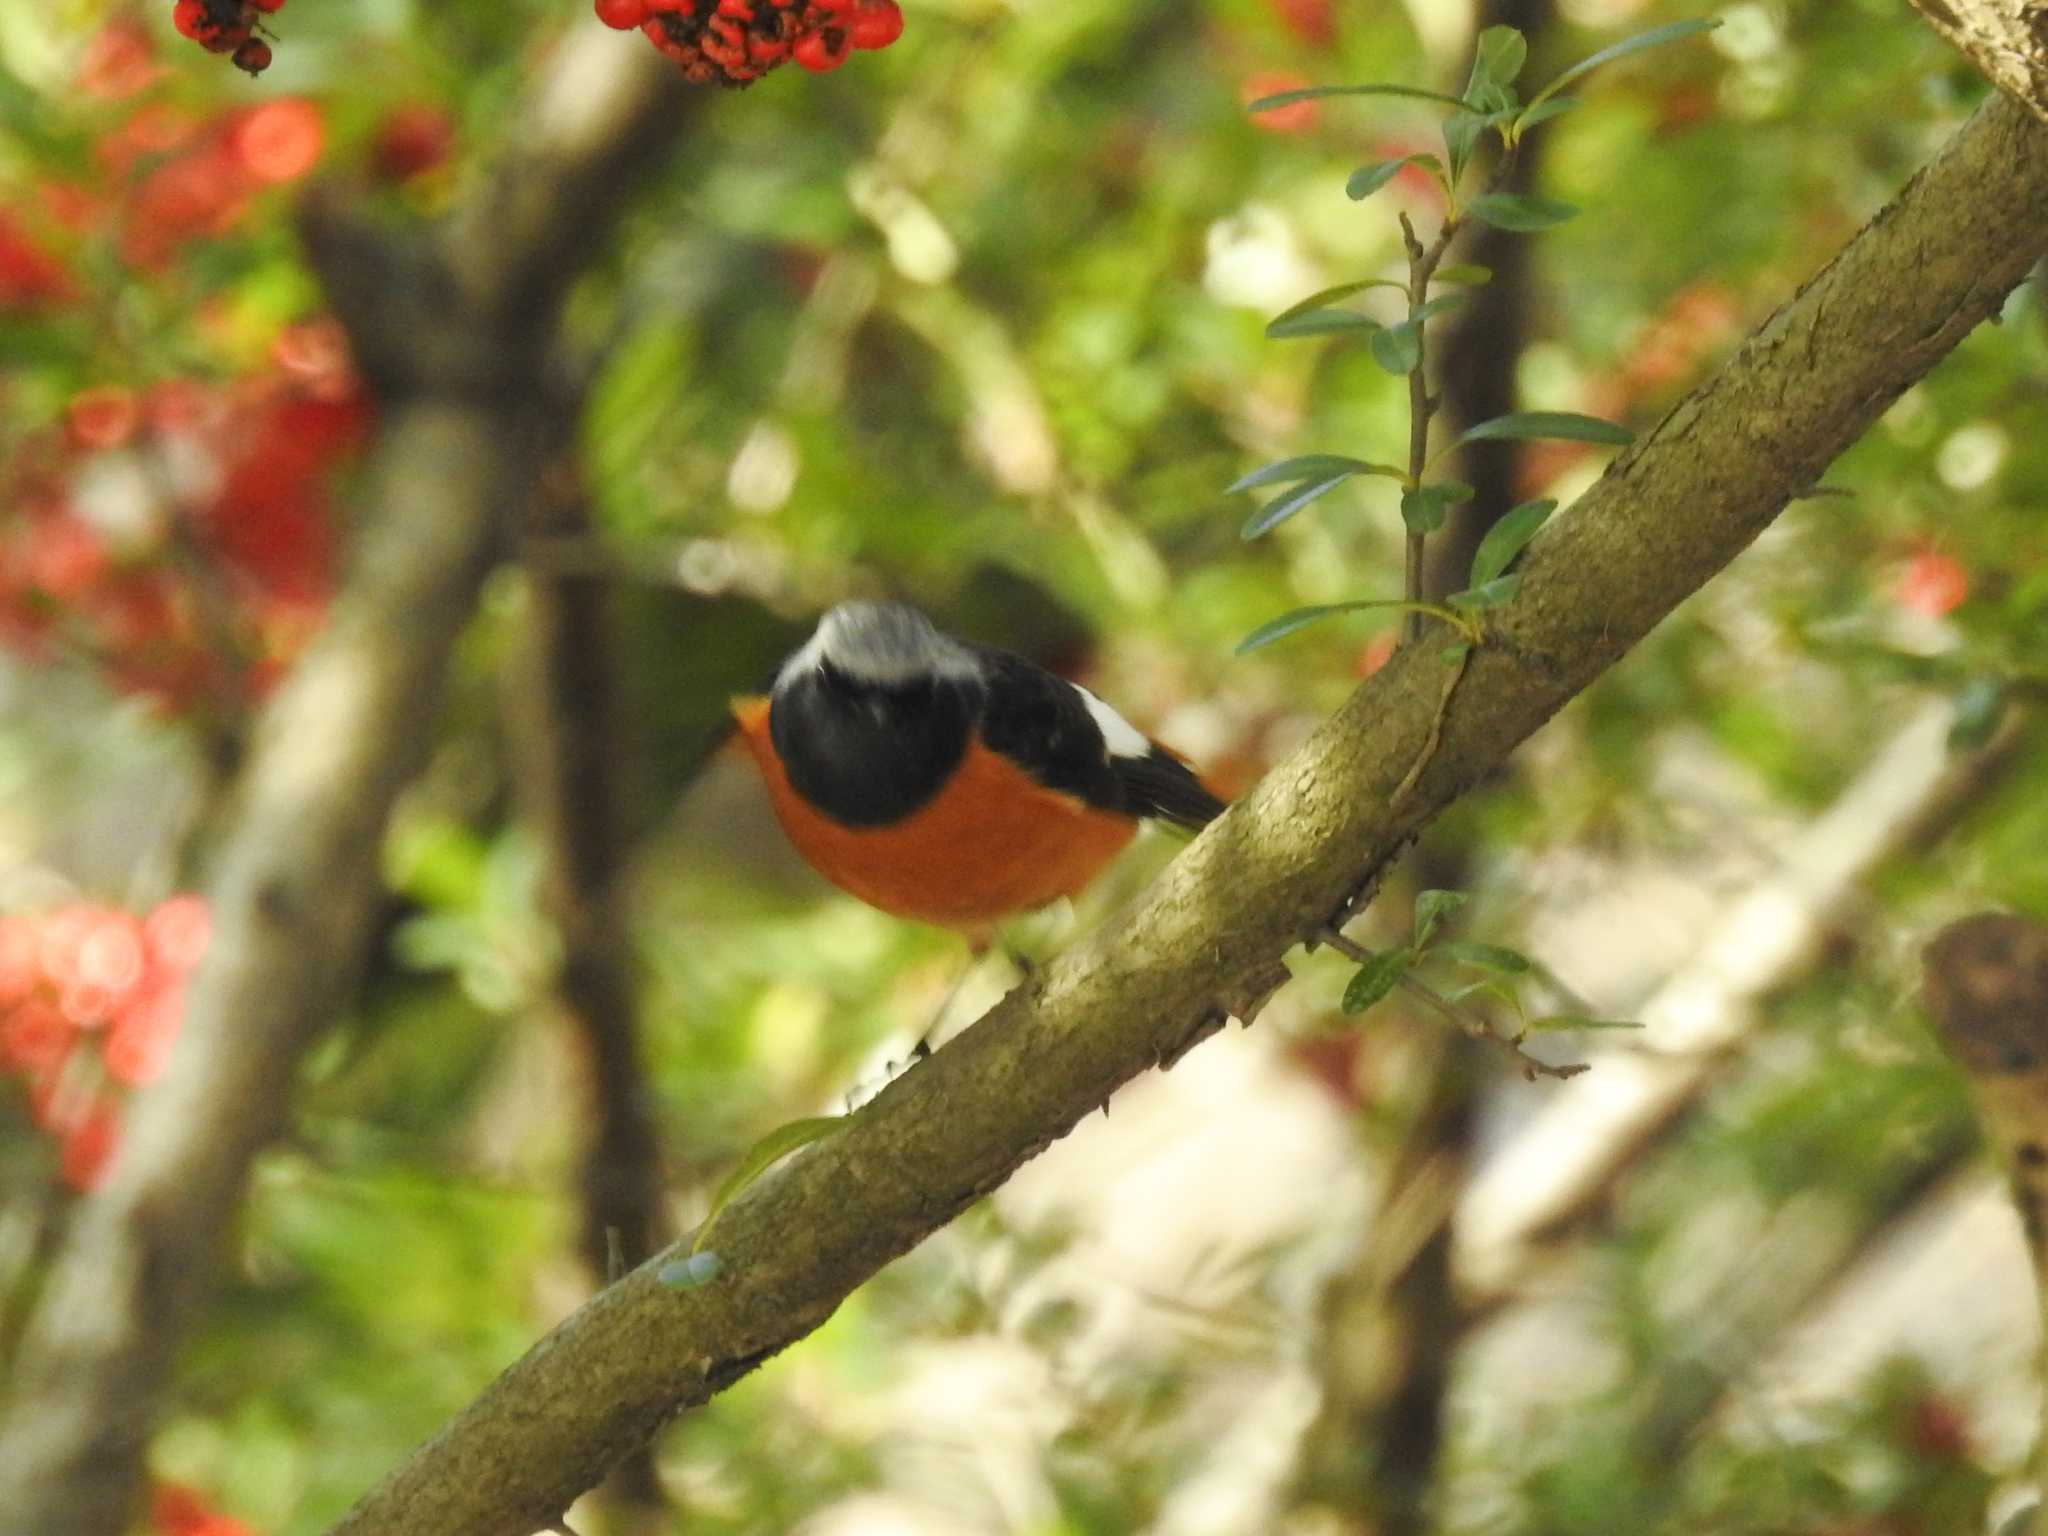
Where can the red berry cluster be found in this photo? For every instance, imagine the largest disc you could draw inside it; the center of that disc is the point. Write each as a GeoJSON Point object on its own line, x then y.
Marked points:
{"type": "Point", "coordinates": [228, 26]}
{"type": "Point", "coordinates": [736, 42]}
{"type": "Point", "coordinates": [91, 998]}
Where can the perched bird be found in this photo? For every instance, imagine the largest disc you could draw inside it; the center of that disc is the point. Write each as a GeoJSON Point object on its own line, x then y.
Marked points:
{"type": "Point", "coordinates": [952, 783]}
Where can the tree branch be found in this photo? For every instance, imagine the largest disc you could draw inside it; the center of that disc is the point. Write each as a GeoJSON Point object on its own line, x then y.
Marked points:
{"type": "Point", "coordinates": [2006, 39]}
{"type": "Point", "coordinates": [294, 891]}
{"type": "Point", "coordinates": [1204, 941]}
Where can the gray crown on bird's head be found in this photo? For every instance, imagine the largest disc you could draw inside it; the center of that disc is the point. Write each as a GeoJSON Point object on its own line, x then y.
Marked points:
{"type": "Point", "coordinates": [883, 644]}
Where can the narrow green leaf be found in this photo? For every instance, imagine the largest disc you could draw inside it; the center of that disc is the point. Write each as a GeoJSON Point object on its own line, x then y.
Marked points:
{"type": "Point", "coordinates": [1397, 348]}
{"type": "Point", "coordinates": [1543, 112]}
{"type": "Point", "coordinates": [1280, 508]}
{"type": "Point", "coordinates": [1485, 957]}
{"type": "Point", "coordinates": [1431, 908]}
{"type": "Point", "coordinates": [1300, 618]}
{"type": "Point", "coordinates": [1575, 1021]}
{"type": "Point", "coordinates": [1507, 539]}
{"type": "Point", "coordinates": [1469, 274]}
{"type": "Point", "coordinates": [1317, 92]}
{"type": "Point", "coordinates": [1425, 508]}
{"type": "Point", "coordinates": [1653, 38]}
{"type": "Point", "coordinates": [1461, 133]}
{"type": "Point", "coordinates": [1319, 322]}
{"type": "Point", "coordinates": [1328, 296]}
{"type": "Point", "coordinates": [1522, 215]}
{"type": "Point", "coordinates": [1307, 466]}
{"type": "Point", "coordinates": [760, 1157]}
{"type": "Point", "coordinates": [1451, 655]}
{"type": "Point", "coordinates": [1376, 978]}
{"type": "Point", "coordinates": [1501, 589]}
{"type": "Point", "coordinates": [1500, 55]}
{"type": "Point", "coordinates": [1568, 426]}
{"type": "Point", "coordinates": [1368, 179]}
{"type": "Point", "coordinates": [1494, 990]}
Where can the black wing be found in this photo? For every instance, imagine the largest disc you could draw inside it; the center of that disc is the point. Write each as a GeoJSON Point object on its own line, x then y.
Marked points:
{"type": "Point", "coordinates": [1043, 723]}
{"type": "Point", "coordinates": [1162, 786]}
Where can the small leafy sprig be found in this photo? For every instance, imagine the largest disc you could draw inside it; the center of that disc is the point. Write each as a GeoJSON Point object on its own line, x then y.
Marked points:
{"type": "Point", "coordinates": [1488, 111]}
{"type": "Point", "coordinates": [1483, 973]}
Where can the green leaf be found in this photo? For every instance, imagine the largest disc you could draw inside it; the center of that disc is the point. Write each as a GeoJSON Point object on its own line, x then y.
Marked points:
{"type": "Point", "coordinates": [1376, 978]}
{"type": "Point", "coordinates": [1653, 38]}
{"type": "Point", "coordinates": [1317, 92]}
{"type": "Point", "coordinates": [1575, 1021]}
{"type": "Point", "coordinates": [1397, 348]}
{"type": "Point", "coordinates": [1431, 908]}
{"type": "Point", "coordinates": [1501, 53]}
{"type": "Point", "coordinates": [1467, 273]}
{"type": "Point", "coordinates": [1425, 508]}
{"type": "Point", "coordinates": [1492, 594]}
{"type": "Point", "coordinates": [1318, 322]}
{"type": "Point", "coordinates": [1520, 214]}
{"type": "Point", "coordinates": [1328, 296]}
{"type": "Point", "coordinates": [1543, 112]}
{"type": "Point", "coordinates": [760, 1157]}
{"type": "Point", "coordinates": [1368, 179]}
{"type": "Point", "coordinates": [1568, 426]}
{"type": "Point", "coordinates": [1461, 133]}
{"type": "Point", "coordinates": [1430, 308]}
{"type": "Point", "coordinates": [1507, 539]}
{"type": "Point", "coordinates": [1280, 508]}
{"type": "Point", "coordinates": [1451, 655]}
{"type": "Point", "coordinates": [1497, 991]}
{"type": "Point", "coordinates": [1307, 466]}
{"type": "Point", "coordinates": [1300, 618]}
{"type": "Point", "coordinates": [1485, 957]}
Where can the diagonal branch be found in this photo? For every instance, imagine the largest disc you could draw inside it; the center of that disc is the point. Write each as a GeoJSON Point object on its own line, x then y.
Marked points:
{"type": "Point", "coordinates": [452, 334]}
{"type": "Point", "coordinates": [1205, 941]}
{"type": "Point", "coordinates": [2007, 39]}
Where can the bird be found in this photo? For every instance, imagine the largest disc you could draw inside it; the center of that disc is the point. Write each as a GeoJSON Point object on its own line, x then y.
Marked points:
{"type": "Point", "coordinates": [952, 783]}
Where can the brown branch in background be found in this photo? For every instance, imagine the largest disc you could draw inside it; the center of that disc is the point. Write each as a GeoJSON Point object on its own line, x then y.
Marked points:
{"type": "Point", "coordinates": [1203, 943]}
{"type": "Point", "coordinates": [562, 712]}
{"type": "Point", "coordinates": [294, 892]}
{"type": "Point", "coordinates": [1986, 989]}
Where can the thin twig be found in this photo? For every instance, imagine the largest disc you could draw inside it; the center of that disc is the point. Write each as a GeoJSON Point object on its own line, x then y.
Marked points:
{"type": "Point", "coordinates": [1467, 1021]}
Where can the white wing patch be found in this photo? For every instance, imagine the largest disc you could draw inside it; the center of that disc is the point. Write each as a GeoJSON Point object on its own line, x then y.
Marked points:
{"type": "Point", "coordinates": [1123, 738]}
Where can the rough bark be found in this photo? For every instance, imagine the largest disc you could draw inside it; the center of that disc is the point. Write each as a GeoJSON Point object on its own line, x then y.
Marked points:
{"type": "Point", "coordinates": [1204, 942]}
{"type": "Point", "coordinates": [451, 340]}
{"type": "Point", "coordinates": [2007, 39]}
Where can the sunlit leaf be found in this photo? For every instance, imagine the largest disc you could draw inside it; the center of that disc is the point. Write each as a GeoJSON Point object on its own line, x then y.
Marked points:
{"type": "Point", "coordinates": [1485, 957]}
{"type": "Point", "coordinates": [1500, 55]}
{"type": "Point", "coordinates": [1492, 594]}
{"type": "Point", "coordinates": [1425, 508]}
{"type": "Point", "coordinates": [1368, 179]}
{"type": "Point", "coordinates": [1432, 307]}
{"type": "Point", "coordinates": [1431, 908]}
{"type": "Point", "coordinates": [1317, 92]}
{"type": "Point", "coordinates": [1319, 322]}
{"type": "Point", "coordinates": [1307, 466]}
{"type": "Point", "coordinates": [1507, 539]}
{"type": "Point", "coordinates": [1470, 274]}
{"type": "Point", "coordinates": [1280, 508]}
{"type": "Point", "coordinates": [1543, 112]}
{"type": "Point", "coordinates": [763, 1155]}
{"type": "Point", "coordinates": [1568, 426]}
{"type": "Point", "coordinates": [1520, 214]}
{"type": "Point", "coordinates": [1575, 1021]}
{"type": "Point", "coordinates": [1653, 38]}
{"type": "Point", "coordinates": [1398, 348]}
{"type": "Point", "coordinates": [1300, 618]}
{"type": "Point", "coordinates": [1324, 298]}
{"type": "Point", "coordinates": [1376, 978]}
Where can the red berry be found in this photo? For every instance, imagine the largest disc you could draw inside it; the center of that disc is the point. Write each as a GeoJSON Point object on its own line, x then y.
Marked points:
{"type": "Point", "coordinates": [876, 25]}
{"type": "Point", "coordinates": [189, 17]}
{"type": "Point", "coordinates": [268, 5]}
{"type": "Point", "coordinates": [253, 56]}
{"type": "Point", "coordinates": [822, 51]}
{"type": "Point", "coordinates": [624, 15]}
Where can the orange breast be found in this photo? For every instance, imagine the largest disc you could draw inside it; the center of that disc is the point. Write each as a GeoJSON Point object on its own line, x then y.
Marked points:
{"type": "Point", "coordinates": [992, 842]}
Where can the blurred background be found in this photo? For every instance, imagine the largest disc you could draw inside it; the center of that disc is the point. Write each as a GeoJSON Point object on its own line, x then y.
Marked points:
{"type": "Point", "coordinates": [978, 320]}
